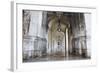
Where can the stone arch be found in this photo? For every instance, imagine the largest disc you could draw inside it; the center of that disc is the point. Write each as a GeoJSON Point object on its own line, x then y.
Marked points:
{"type": "Point", "coordinates": [53, 35]}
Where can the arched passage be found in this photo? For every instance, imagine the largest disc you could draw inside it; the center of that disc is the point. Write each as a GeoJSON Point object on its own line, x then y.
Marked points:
{"type": "Point", "coordinates": [58, 38]}
{"type": "Point", "coordinates": [50, 35]}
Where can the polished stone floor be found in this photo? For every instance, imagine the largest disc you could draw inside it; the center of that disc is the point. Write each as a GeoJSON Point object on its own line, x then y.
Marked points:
{"type": "Point", "coordinates": [55, 58]}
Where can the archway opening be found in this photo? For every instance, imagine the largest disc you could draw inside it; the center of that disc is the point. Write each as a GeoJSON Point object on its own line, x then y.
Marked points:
{"type": "Point", "coordinates": [57, 39]}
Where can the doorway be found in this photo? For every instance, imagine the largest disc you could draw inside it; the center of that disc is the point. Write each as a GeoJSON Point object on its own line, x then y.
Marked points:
{"type": "Point", "coordinates": [57, 38]}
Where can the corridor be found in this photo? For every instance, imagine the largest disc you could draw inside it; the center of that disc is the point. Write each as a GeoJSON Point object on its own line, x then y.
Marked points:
{"type": "Point", "coordinates": [55, 36]}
